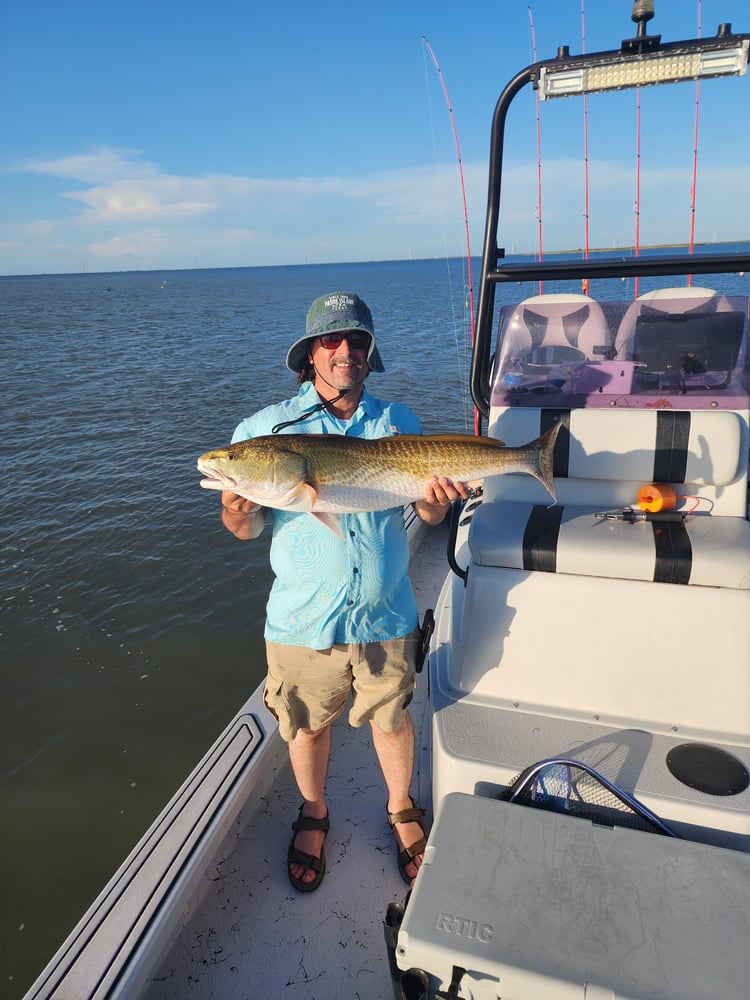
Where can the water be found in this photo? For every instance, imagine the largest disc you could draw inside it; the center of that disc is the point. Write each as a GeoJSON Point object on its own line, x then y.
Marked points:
{"type": "Point", "coordinates": [130, 620]}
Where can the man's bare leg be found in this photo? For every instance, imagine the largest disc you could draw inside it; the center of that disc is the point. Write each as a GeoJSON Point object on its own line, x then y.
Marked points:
{"type": "Point", "coordinates": [395, 752]}
{"type": "Point", "coordinates": [308, 755]}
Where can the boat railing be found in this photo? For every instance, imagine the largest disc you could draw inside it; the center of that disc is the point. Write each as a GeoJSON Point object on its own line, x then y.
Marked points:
{"type": "Point", "coordinates": [642, 61]}
{"type": "Point", "coordinates": [116, 945]}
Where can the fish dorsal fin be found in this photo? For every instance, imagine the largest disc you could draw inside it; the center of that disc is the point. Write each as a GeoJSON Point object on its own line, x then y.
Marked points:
{"type": "Point", "coordinates": [462, 439]}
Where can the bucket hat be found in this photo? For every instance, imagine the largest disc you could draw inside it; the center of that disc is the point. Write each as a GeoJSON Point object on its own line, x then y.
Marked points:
{"type": "Point", "coordinates": [331, 313]}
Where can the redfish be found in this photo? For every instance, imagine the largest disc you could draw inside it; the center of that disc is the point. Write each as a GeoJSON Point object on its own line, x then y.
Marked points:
{"type": "Point", "coordinates": [328, 474]}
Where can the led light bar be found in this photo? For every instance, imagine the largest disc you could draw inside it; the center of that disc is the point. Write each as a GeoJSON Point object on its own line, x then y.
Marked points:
{"type": "Point", "coordinates": [649, 69]}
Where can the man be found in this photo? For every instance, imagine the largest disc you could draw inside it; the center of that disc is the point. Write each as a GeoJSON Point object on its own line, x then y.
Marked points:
{"type": "Point", "coordinates": [341, 617]}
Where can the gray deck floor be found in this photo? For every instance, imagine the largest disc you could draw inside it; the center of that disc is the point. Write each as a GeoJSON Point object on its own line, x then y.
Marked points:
{"type": "Point", "coordinates": [252, 936]}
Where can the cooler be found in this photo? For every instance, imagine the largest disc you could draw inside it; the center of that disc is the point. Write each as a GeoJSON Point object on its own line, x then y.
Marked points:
{"type": "Point", "coordinates": [520, 903]}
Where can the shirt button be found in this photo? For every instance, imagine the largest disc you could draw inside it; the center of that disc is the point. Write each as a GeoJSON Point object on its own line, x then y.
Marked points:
{"type": "Point", "coordinates": [349, 603]}
{"type": "Point", "coordinates": [352, 534]}
{"type": "Point", "coordinates": [355, 570]}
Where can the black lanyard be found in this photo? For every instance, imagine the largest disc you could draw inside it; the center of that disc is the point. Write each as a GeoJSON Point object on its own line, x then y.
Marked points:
{"type": "Point", "coordinates": [308, 413]}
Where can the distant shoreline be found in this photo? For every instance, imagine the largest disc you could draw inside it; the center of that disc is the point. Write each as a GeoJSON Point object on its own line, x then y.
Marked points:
{"type": "Point", "coordinates": [614, 251]}
{"type": "Point", "coordinates": [631, 249]}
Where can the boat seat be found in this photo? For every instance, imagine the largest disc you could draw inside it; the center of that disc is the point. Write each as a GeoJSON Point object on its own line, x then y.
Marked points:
{"type": "Point", "coordinates": [671, 327]}
{"type": "Point", "coordinates": [701, 551]}
{"type": "Point", "coordinates": [568, 616]}
{"type": "Point", "coordinates": [604, 456]}
{"type": "Point", "coordinates": [556, 328]}
{"type": "Point", "coordinates": [701, 447]}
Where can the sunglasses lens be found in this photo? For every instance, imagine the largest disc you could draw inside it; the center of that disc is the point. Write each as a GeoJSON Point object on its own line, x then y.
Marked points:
{"type": "Point", "coordinates": [359, 341]}
{"type": "Point", "coordinates": [331, 340]}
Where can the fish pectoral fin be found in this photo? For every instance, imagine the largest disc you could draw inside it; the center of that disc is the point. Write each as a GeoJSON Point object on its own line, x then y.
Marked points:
{"type": "Point", "coordinates": [330, 521]}
{"type": "Point", "coordinates": [309, 492]}
{"type": "Point", "coordinates": [301, 497]}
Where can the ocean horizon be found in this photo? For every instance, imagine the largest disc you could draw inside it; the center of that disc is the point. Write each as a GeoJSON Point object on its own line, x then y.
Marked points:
{"type": "Point", "coordinates": [615, 249]}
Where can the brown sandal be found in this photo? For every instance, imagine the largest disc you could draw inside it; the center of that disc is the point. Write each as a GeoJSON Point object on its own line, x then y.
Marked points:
{"type": "Point", "coordinates": [297, 857]}
{"type": "Point", "coordinates": [407, 854]}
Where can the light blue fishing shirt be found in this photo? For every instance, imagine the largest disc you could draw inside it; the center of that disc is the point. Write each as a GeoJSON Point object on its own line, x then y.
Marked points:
{"type": "Point", "coordinates": [329, 589]}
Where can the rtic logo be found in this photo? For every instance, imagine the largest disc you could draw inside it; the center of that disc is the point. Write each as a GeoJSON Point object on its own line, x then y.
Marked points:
{"type": "Point", "coordinates": [465, 928]}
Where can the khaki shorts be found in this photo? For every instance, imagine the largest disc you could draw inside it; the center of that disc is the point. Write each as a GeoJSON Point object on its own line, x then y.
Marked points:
{"type": "Point", "coordinates": [309, 688]}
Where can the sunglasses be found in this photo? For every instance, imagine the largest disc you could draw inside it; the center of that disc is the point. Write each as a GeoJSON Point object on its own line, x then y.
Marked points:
{"type": "Point", "coordinates": [356, 339]}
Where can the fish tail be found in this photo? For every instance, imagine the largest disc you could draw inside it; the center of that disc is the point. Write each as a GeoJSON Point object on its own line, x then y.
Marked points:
{"type": "Point", "coordinates": [545, 447]}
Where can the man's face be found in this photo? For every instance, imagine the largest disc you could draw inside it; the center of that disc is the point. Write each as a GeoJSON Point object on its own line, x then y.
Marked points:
{"type": "Point", "coordinates": [341, 358]}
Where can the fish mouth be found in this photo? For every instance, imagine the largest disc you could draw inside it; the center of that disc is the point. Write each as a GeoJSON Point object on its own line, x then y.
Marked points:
{"type": "Point", "coordinates": [215, 479]}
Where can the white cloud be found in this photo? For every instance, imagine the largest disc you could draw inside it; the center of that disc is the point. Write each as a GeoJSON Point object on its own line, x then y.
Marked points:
{"type": "Point", "coordinates": [128, 213]}
{"type": "Point", "coordinates": [119, 189]}
{"type": "Point", "coordinates": [134, 200]}
{"type": "Point", "coordinates": [139, 246]}
{"type": "Point", "coordinates": [95, 167]}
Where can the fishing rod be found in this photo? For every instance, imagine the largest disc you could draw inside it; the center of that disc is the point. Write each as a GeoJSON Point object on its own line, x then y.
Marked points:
{"type": "Point", "coordinates": [642, 13]}
{"type": "Point", "coordinates": [637, 185]}
{"type": "Point", "coordinates": [538, 154]}
{"type": "Point", "coordinates": [585, 283]}
{"type": "Point", "coordinates": [695, 157]}
{"type": "Point", "coordinates": [463, 197]}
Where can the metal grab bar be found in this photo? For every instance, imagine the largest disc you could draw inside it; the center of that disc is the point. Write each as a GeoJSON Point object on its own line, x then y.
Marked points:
{"type": "Point", "coordinates": [457, 521]}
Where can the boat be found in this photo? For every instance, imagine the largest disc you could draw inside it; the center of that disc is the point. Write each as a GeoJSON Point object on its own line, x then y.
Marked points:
{"type": "Point", "coordinates": [583, 718]}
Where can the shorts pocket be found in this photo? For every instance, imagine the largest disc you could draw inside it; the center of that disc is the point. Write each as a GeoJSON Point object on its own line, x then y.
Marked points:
{"type": "Point", "coordinates": [272, 698]}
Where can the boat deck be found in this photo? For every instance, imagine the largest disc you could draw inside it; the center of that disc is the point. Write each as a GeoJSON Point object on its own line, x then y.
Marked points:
{"type": "Point", "coordinates": [253, 935]}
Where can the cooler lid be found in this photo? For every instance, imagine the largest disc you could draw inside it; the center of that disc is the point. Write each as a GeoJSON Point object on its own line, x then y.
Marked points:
{"type": "Point", "coordinates": [549, 905]}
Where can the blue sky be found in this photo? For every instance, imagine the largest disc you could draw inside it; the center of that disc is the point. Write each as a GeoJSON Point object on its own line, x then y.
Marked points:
{"type": "Point", "coordinates": [173, 135]}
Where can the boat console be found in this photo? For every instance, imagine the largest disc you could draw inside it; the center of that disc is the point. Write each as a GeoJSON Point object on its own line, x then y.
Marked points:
{"type": "Point", "coordinates": [606, 637]}
{"type": "Point", "coordinates": [576, 630]}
